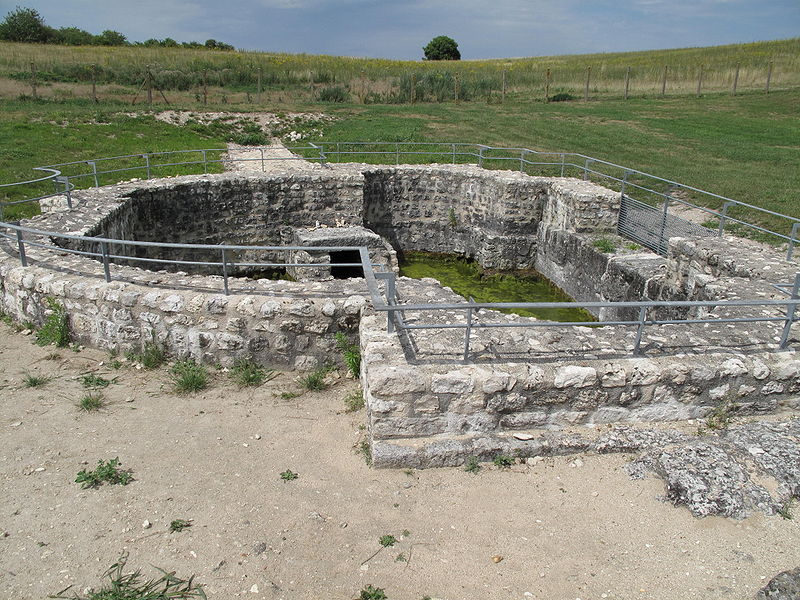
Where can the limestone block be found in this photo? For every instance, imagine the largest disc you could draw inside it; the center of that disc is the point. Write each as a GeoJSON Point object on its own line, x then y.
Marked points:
{"type": "Point", "coordinates": [718, 393]}
{"type": "Point", "coordinates": [395, 381]}
{"type": "Point", "coordinates": [612, 375]}
{"type": "Point", "coordinates": [499, 381]}
{"type": "Point", "coordinates": [453, 382]}
{"type": "Point", "coordinates": [506, 403]}
{"type": "Point", "coordinates": [733, 367]}
{"type": "Point", "coordinates": [574, 376]}
{"type": "Point", "coordinates": [643, 372]}
{"type": "Point", "coordinates": [609, 414]}
{"type": "Point", "coordinates": [397, 427]}
{"type": "Point", "coordinates": [760, 370]}
{"type": "Point", "coordinates": [524, 420]}
{"type": "Point", "coordinates": [786, 369]}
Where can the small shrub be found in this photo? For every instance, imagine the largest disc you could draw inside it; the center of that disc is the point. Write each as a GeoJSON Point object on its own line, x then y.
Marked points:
{"type": "Point", "coordinates": [365, 450]}
{"type": "Point", "coordinates": [131, 586]}
{"type": "Point", "coordinates": [719, 419]}
{"type": "Point", "coordinates": [472, 465]}
{"type": "Point", "coordinates": [351, 354]}
{"type": "Point", "coordinates": [315, 381]}
{"type": "Point", "coordinates": [334, 94]}
{"type": "Point", "coordinates": [248, 373]}
{"type": "Point", "coordinates": [387, 540]}
{"type": "Point", "coordinates": [189, 377]}
{"type": "Point", "coordinates": [562, 97]}
{"type": "Point", "coordinates": [93, 381]}
{"type": "Point", "coordinates": [106, 472]}
{"type": "Point", "coordinates": [55, 329]}
{"type": "Point", "coordinates": [605, 245]}
{"type": "Point", "coordinates": [34, 380]}
{"type": "Point", "coordinates": [354, 401]}
{"type": "Point", "coordinates": [288, 475]}
{"type": "Point", "coordinates": [785, 510]}
{"type": "Point", "coordinates": [152, 356]}
{"type": "Point", "coordinates": [633, 246]}
{"type": "Point", "coordinates": [179, 525]}
{"type": "Point", "coordinates": [372, 593]}
{"type": "Point", "coordinates": [91, 402]}
{"type": "Point", "coordinates": [451, 218]}
{"type": "Point", "coordinates": [503, 461]}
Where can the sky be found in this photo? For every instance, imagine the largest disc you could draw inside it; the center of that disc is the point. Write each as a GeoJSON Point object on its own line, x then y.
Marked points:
{"type": "Point", "coordinates": [398, 29]}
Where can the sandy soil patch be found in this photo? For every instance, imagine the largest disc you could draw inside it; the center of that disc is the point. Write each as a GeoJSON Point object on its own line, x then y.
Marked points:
{"type": "Point", "coordinates": [564, 528]}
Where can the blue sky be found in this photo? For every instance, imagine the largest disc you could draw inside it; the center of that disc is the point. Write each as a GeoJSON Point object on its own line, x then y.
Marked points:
{"type": "Point", "coordinates": [400, 28]}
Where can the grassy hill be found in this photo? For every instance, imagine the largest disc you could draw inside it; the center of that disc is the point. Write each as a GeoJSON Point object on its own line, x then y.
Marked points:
{"type": "Point", "coordinates": [235, 76]}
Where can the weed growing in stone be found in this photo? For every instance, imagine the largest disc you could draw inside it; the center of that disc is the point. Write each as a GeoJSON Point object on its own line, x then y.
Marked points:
{"type": "Point", "coordinates": [785, 509]}
{"type": "Point", "coordinates": [91, 402]}
{"type": "Point", "coordinates": [189, 377]}
{"type": "Point", "coordinates": [315, 381]}
{"type": "Point", "coordinates": [32, 381]}
{"type": "Point", "coordinates": [372, 593]}
{"type": "Point", "coordinates": [152, 356]}
{"type": "Point", "coordinates": [365, 450]}
{"type": "Point", "coordinates": [605, 245]}
{"type": "Point", "coordinates": [503, 461]}
{"type": "Point", "coordinates": [719, 419]}
{"type": "Point", "coordinates": [106, 472]}
{"type": "Point", "coordinates": [179, 525]}
{"type": "Point", "coordinates": [248, 373]}
{"type": "Point", "coordinates": [451, 218]}
{"type": "Point", "coordinates": [288, 475]}
{"type": "Point", "coordinates": [132, 586]}
{"type": "Point", "coordinates": [633, 246]}
{"type": "Point", "coordinates": [354, 401]}
{"type": "Point", "coordinates": [92, 381]}
{"type": "Point", "coordinates": [472, 465]}
{"type": "Point", "coordinates": [351, 354]}
{"type": "Point", "coordinates": [55, 329]}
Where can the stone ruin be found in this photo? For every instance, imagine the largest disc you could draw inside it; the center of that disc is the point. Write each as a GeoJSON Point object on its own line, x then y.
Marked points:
{"type": "Point", "coordinates": [521, 391]}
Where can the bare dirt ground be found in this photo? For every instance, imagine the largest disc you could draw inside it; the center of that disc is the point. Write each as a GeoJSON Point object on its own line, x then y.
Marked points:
{"type": "Point", "coordinates": [565, 529]}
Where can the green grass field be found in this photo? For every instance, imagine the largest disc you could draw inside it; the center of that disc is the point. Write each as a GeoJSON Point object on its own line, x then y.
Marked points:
{"type": "Point", "coordinates": [744, 147]}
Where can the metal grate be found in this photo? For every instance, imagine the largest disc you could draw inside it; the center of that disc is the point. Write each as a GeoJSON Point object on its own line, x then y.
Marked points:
{"type": "Point", "coordinates": [652, 226]}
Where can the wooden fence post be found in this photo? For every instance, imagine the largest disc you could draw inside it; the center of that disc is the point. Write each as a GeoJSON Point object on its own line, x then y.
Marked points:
{"type": "Point", "coordinates": [94, 83]}
{"type": "Point", "coordinates": [547, 87]}
{"type": "Point", "coordinates": [205, 87]}
{"type": "Point", "coordinates": [586, 89]}
{"type": "Point", "coordinates": [735, 80]}
{"type": "Point", "coordinates": [149, 80]}
{"type": "Point", "coordinates": [503, 95]}
{"type": "Point", "coordinates": [455, 86]}
{"type": "Point", "coordinates": [700, 81]}
{"type": "Point", "coordinates": [627, 81]}
{"type": "Point", "coordinates": [413, 88]}
{"type": "Point", "coordinates": [258, 97]}
{"type": "Point", "coordinates": [33, 81]}
{"type": "Point", "coordinates": [769, 77]}
{"type": "Point", "coordinates": [664, 82]}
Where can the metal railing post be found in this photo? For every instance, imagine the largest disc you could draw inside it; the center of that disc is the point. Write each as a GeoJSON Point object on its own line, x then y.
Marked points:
{"type": "Point", "coordinates": [225, 272]}
{"type": "Point", "coordinates": [391, 300]}
{"type": "Point", "coordinates": [664, 216]}
{"type": "Point", "coordinates": [480, 156]}
{"type": "Point", "coordinates": [106, 268]}
{"type": "Point", "coordinates": [21, 245]}
{"type": "Point", "coordinates": [723, 215]}
{"type": "Point", "coordinates": [146, 158]}
{"type": "Point", "coordinates": [397, 154]}
{"type": "Point", "coordinates": [639, 330]}
{"type": "Point", "coordinates": [586, 169]}
{"type": "Point", "coordinates": [338, 153]}
{"type": "Point", "coordinates": [624, 181]}
{"type": "Point", "coordinates": [454, 154]}
{"type": "Point", "coordinates": [563, 164]}
{"type": "Point", "coordinates": [792, 238]}
{"type": "Point", "coordinates": [263, 166]}
{"type": "Point", "coordinates": [522, 160]}
{"type": "Point", "coordinates": [205, 163]}
{"type": "Point", "coordinates": [94, 172]}
{"type": "Point", "coordinates": [468, 330]}
{"type": "Point", "coordinates": [790, 308]}
{"type": "Point", "coordinates": [66, 191]}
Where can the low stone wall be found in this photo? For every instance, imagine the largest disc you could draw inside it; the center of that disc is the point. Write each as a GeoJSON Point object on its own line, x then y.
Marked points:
{"type": "Point", "coordinates": [413, 405]}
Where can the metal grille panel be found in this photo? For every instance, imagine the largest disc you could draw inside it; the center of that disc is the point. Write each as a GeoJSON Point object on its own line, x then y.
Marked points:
{"type": "Point", "coordinates": [652, 226]}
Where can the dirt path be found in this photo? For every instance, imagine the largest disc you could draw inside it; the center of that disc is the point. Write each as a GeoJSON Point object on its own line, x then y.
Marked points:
{"type": "Point", "coordinates": [565, 529]}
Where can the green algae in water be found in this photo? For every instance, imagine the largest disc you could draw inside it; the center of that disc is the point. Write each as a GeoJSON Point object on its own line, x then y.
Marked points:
{"type": "Point", "coordinates": [466, 278]}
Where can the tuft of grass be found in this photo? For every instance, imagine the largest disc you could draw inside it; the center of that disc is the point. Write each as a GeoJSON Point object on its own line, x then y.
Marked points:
{"type": "Point", "coordinates": [92, 381]}
{"type": "Point", "coordinates": [189, 377]}
{"type": "Point", "coordinates": [32, 381]}
{"type": "Point", "coordinates": [365, 450]}
{"type": "Point", "coordinates": [719, 419]}
{"type": "Point", "coordinates": [55, 329]}
{"type": "Point", "coordinates": [387, 540]}
{"type": "Point", "coordinates": [287, 395]}
{"type": "Point", "coordinates": [605, 245]}
{"type": "Point", "coordinates": [372, 593]}
{"type": "Point", "coordinates": [91, 402]}
{"type": "Point", "coordinates": [503, 461]}
{"type": "Point", "coordinates": [315, 381]}
{"type": "Point", "coordinates": [785, 509]}
{"type": "Point", "coordinates": [351, 354]}
{"type": "Point", "coordinates": [354, 401]}
{"type": "Point", "coordinates": [472, 465]}
{"type": "Point", "coordinates": [152, 356]}
{"type": "Point", "coordinates": [132, 586]}
{"type": "Point", "coordinates": [106, 472]}
{"type": "Point", "coordinates": [179, 525]}
{"type": "Point", "coordinates": [288, 475]}
{"type": "Point", "coordinates": [248, 373]}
